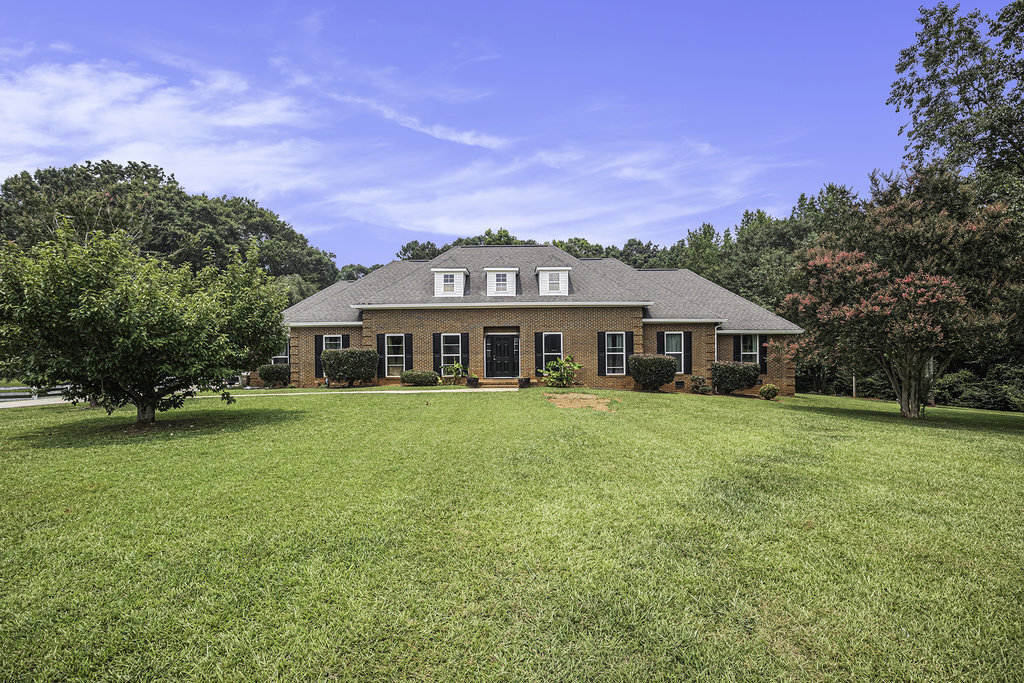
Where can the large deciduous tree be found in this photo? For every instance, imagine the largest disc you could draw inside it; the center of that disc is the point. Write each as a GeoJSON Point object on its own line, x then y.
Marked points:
{"type": "Point", "coordinates": [93, 313]}
{"type": "Point", "coordinates": [962, 83]}
{"type": "Point", "coordinates": [924, 273]}
{"type": "Point", "coordinates": [167, 221]}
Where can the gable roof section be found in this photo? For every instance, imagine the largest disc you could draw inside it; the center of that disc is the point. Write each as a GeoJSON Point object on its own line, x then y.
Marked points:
{"type": "Point", "coordinates": [692, 296]}
{"type": "Point", "coordinates": [589, 284]}
{"type": "Point", "coordinates": [667, 295]}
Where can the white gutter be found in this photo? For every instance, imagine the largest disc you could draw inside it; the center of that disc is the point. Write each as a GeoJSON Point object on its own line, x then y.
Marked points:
{"type": "Point", "coordinates": [494, 304]}
{"type": "Point", "coordinates": [315, 324]}
{"type": "Point", "coordinates": [800, 331]}
{"type": "Point", "coordinates": [680, 320]}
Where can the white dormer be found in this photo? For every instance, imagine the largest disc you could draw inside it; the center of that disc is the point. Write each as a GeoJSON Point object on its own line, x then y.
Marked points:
{"type": "Point", "coordinates": [553, 280]}
{"type": "Point", "coordinates": [501, 281]}
{"type": "Point", "coordinates": [449, 281]}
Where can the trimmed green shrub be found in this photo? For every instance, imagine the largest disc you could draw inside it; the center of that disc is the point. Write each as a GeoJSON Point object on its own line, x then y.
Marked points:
{"type": "Point", "coordinates": [420, 378]}
{"type": "Point", "coordinates": [768, 392]}
{"type": "Point", "coordinates": [651, 370]}
{"type": "Point", "coordinates": [561, 372]}
{"type": "Point", "coordinates": [275, 375]}
{"type": "Point", "coordinates": [349, 365]}
{"type": "Point", "coordinates": [699, 385]}
{"type": "Point", "coordinates": [729, 377]}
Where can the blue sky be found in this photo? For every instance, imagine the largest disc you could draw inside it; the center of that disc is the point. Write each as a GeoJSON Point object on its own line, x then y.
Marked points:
{"type": "Point", "coordinates": [370, 124]}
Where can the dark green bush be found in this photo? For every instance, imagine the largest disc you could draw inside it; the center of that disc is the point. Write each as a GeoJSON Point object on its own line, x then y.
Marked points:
{"type": "Point", "coordinates": [420, 378]}
{"type": "Point", "coordinates": [275, 375]}
{"type": "Point", "coordinates": [699, 385]}
{"type": "Point", "coordinates": [768, 391]}
{"type": "Point", "coordinates": [651, 370]}
{"type": "Point", "coordinates": [1001, 389]}
{"type": "Point", "coordinates": [729, 377]}
{"type": "Point", "coordinates": [349, 365]}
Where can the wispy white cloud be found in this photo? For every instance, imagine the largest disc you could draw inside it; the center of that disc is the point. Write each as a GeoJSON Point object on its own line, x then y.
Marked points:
{"type": "Point", "coordinates": [441, 132]}
{"type": "Point", "coordinates": [15, 52]}
{"type": "Point", "coordinates": [214, 132]}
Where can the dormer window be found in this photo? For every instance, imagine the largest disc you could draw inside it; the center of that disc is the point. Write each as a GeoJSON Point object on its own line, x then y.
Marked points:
{"type": "Point", "coordinates": [553, 280]}
{"type": "Point", "coordinates": [501, 281]}
{"type": "Point", "coordinates": [449, 281]}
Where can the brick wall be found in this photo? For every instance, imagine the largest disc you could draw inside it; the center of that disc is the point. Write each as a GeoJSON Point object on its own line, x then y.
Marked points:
{"type": "Point", "coordinates": [782, 375]}
{"type": "Point", "coordinates": [579, 328]}
{"type": "Point", "coordinates": [703, 347]}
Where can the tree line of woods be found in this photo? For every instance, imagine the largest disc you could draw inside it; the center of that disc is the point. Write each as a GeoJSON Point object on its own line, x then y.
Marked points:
{"type": "Point", "coordinates": [915, 288]}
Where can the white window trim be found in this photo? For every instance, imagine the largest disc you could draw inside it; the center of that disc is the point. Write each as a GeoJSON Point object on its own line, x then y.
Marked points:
{"type": "Point", "coordinates": [492, 281]}
{"type": "Point", "coordinates": [339, 337]}
{"type": "Point", "coordinates": [445, 284]}
{"type": "Point", "coordinates": [756, 351]}
{"type": "Point", "coordinates": [544, 344]}
{"type": "Point", "coordinates": [388, 356]}
{"type": "Point", "coordinates": [286, 355]}
{"type": "Point", "coordinates": [543, 283]}
{"type": "Point", "coordinates": [608, 353]}
{"type": "Point", "coordinates": [681, 352]}
{"type": "Point", "coordinates": [443, 354]}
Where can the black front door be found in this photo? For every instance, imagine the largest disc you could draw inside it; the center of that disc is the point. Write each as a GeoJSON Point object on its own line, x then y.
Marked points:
{"type": "Point", "coordinates": [502, 355]}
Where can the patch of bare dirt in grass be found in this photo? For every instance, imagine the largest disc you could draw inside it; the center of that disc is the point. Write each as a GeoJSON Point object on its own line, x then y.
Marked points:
{"type": "Point", "coordinates": [581, 401]}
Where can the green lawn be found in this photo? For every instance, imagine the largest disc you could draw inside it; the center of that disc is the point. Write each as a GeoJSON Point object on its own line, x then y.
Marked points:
{"type": "Point", "coordinates": [455, 536]}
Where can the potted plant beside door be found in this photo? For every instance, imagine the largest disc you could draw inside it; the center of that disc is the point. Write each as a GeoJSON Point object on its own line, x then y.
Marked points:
{"type": "Point", "coordinates": [524, 382]}
{"type": "Point", "coordinates": [472, 381]}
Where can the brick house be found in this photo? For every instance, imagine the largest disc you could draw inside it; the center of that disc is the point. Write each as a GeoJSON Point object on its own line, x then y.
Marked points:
{"type": "Point", "coordinates": [504, 311]}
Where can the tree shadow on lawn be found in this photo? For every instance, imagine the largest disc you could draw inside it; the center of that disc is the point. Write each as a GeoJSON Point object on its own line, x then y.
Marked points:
{"type": "Point", "coordinates": [944, 418]}
{"type": "Point", "coordinates": [119, 429]}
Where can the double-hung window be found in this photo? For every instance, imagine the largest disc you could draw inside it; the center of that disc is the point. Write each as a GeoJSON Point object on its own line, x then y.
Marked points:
{"type": "Point", "coordinates": [501, 282]}
{"type": "Point", "coordinates": [282, 358]}
{"type": "Point", "coordinates": [674, 348]}
{"type": "Point", "coordinates": [748, 348]}
{"type": "Point", "coordinates": [333, 342]}
{"type": "Point", "coordinates": [615, 353]}
{"type": "Point", "coordinates": [451, 352]}
{"type": "Point", "coordinates": [394, 354]}
{"type": "Point", "coordinates": [552, 347]}
{"type": "Point", "coordinates": [554, 282]}
{"type": "Point", "coordinates": [448, 283]}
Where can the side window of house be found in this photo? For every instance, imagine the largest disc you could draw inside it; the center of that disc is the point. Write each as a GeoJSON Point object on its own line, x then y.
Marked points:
{"type": "Point", "coordinates": [332, 342]}
{"type": "Point", "coordinates": [748, 348]}
{"type": "Point", "coordinates": [552, 346]}
{"type": "Point", "coordinates": [282, 358]}
{"type": "Point", "coordinates": [451, 352]}
{"type": "Point", "coordinates": [674, 348]}
{"type": "Point", "coordinates": [615, 353]}
{"type": "Point", "coordinates": [394, 352]}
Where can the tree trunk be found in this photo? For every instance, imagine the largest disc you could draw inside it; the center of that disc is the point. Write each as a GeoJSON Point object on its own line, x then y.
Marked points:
{"type": "Point", "coordinates": [146, 413]}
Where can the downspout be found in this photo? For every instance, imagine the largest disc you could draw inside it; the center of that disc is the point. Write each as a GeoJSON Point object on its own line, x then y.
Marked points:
{"type": "Point", "coordinates": [719, 325]}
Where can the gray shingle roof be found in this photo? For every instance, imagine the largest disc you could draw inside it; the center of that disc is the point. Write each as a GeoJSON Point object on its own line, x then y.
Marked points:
{"type": "Point", "coordinates": [670, 294]}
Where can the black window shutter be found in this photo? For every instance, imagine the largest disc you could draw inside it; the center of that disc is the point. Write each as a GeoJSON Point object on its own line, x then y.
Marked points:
{"type": "Point", "coordinates": [437, 352]}
{"type": "Point", "coordinates": [408, 352]}
{"type": "Point", "coordinates": [346, 341]}
{"type": "Point", "coordinates": [687, 353]}
{"type": "Point", "coordinates": [380, 355]}
{"type": "Point", "coordinates": [629, 350]}
{"type": "Point", "coordinates": [465, 351]}
{"type": "Point", "coordinates": [736, 353]}
{"type": "Point", "coordinates": [762, 356]}
{"type": "Point", "coordinates": [600, 354]}
{"type": "Point", "coordinates": [538, 352]}
{"type": "Point", "coordinates": [318, 348]}
{"type": "Point", "coordinates": [661, 343]}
